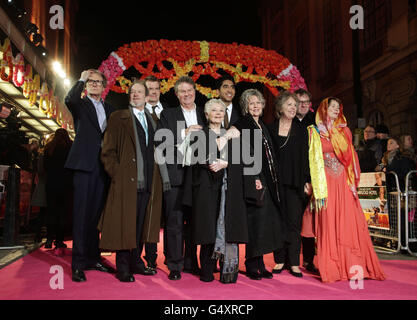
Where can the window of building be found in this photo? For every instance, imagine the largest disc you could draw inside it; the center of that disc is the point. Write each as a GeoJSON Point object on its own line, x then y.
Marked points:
{"type": "Point", "coordinates": [377, 18]}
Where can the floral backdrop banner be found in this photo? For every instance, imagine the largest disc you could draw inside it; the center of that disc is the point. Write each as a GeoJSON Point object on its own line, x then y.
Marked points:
{"type": "Point", "coordinates": [169, 60]}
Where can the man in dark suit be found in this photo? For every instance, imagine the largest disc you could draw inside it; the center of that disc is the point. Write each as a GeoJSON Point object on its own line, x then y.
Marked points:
{"type": "Point", "coordinates": [192, 119]}
{"type": "Point", "coordinates": [90, 116]}
{"type": "Point", "coordinates": [306, 117]}
{"type": "Point", "coordinates": [155, 108]}
{"type": "Point", "coordinates": [227, 90]}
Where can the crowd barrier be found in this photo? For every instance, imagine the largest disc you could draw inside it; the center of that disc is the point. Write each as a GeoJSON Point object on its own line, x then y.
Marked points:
{"type": "Point", "coordinates": [410, 212]}
{"type": "Point", "coordinates": [15, 210]}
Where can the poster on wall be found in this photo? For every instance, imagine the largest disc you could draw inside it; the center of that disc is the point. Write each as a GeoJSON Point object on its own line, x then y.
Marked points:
{"type": "Point", "coordinates": [372, 194]}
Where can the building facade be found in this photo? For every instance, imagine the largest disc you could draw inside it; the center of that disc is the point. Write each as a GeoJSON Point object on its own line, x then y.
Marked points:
{"type": "Point", "coordinates": [372, 70]}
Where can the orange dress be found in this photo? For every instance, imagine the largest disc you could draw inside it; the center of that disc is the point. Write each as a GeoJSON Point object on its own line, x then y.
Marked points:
{"type": "Point", "coordinates": [343, 239]}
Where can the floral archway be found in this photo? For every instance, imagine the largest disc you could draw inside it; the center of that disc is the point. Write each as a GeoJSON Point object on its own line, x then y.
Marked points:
{"type": "Point", "coordinates": [169, 60]}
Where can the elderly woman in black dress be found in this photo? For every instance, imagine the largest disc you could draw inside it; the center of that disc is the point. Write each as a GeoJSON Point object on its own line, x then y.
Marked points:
{"type": "Point", "coordinates": [265, 226]}
{"type": "Point", "coordinates": [291, 147]}
{"type": "Point", "coordinates": [214, 190]}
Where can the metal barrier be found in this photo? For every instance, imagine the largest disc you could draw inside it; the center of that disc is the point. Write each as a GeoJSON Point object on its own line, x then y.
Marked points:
{"type": "Point", "coordinates": [410, 217]}
{"type": "Point", "coordinates": [389, 240]}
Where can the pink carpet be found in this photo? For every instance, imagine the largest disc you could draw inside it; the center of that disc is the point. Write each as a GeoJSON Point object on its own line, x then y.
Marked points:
{"type": "Point", "coordinates": [29, 279]}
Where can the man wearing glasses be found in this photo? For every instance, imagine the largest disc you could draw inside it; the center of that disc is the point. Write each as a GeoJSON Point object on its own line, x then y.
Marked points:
{"type": "Point", "coordinates": [90, 114]}
{"type": "Point", "coordinates": [370, 150]}
{"type": "Point", "coordinates": [305, 112]}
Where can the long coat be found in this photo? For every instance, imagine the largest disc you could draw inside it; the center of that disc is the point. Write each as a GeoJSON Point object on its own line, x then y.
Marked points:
{"type": "Point", "coordinates": [118, 221]}
{"type": "Point", "coordinates": [203, 194]}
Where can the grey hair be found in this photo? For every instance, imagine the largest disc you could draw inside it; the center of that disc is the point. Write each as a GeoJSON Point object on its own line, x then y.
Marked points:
{"type": "Point", "coordinates": [244, 99]}
{"type": "Point", "coordinates": [102, 76]}
{"type": "Point", "coordinates": [184, 79]}
{"type": "Point", "coordinates": [209, 105]}
{"type": "Point", "coordinates": [282, 99]}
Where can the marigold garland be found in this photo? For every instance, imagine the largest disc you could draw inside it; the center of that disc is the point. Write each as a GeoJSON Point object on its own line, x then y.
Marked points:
{"type": "Point", "coordinates": [198, 58]}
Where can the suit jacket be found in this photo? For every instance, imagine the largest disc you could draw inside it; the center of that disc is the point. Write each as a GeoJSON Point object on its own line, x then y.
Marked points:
{"type": "Point", "coordinates": [169, 119]}
{"type": "Point", "coordinates": [85, 151]}
{"type": "Point", "coordinates": [236, 115]}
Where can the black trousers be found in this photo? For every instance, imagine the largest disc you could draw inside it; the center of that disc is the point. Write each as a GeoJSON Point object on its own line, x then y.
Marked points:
{"type": "Point", "coordinates": [255, 264]}
{"type": "Point", "coordinates": [293, 210]}
{"type": "Point", "coordinates": [58, 206]}
{"type": "Point", "coordinates": [178, 232]}
{"type": "Point", "coordinates": [309, 249]}
{"type": "Point", "coordinates": [151, 254]}
{"type": "Point", "coordinates": [90, 191]}
{"type": "Point", "coordinates": [206, 261]}
{"type": "Point", "coordinates": [129, 260]}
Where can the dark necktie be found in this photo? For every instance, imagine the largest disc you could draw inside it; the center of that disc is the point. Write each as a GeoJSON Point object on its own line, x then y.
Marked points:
{"type": "Point", "coordinates": [226, 120]}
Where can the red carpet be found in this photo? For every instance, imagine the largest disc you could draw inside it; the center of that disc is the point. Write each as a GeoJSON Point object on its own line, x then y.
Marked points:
{"type": "Point", "coordinates": [29, 279]}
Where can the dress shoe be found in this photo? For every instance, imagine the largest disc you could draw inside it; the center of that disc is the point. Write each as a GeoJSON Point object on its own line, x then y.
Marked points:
{"type": "Point", "coordinates": [278, 271]}
{"type": "Point", "coordinates": [174, 275]}
{"type": "Point", "coordinates": [60, 245]}
{"type": "Point", "coordinates": [296, 274]}
{"type": "Point", "coordinates": [78, 276]}
{"type": "Point", "coordinates": [311, 267]}
{"type": "Point", "coordinates": [266, 274]}
{"type": "Point", "coordinates": [125, 277]}
{"type": "Point", "coordinates": [101, 267]}
{"type": "Point", "coordinates": [207, 279]}
{"type": "Point", "coordinates": [48, 244]}
{"type": "Point", "coordinates": [194, 271]}
{"type": "Point", "coordinates": [144, 271]}
{"type": "Point", "coordinates": [254, 275]}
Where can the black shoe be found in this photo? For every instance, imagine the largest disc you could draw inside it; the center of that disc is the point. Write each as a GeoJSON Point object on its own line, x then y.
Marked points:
{"type": "Point", "coordinates": [207, 279]}
{"type": "Point", "coordinates": [266, 274]}
{"type": "Point", "coordinates": [125, 277]}
{"type": "Point", "coordinates": [296, 274]}
{"type": "Point", "coordinates": [278, 271]}
{"type": "Point", "coordinates": [312, 268]}
{"type": "Point", "coordinates": [78, 276]}
{"type": "Point", "coordinates": [144, 271]}
{"type": "Point", "coordinates": [60, 245]}
{"type": "Point", "coordinates": [174, 275]}
{"type": "Point", "coordinates": [194, 271]}
{"type": "Point", "coordinates": [101, 267]}
{"type": "Point", "coordinates": [48, 244]}
{"type": "Point", "coordinates": [254, 275]}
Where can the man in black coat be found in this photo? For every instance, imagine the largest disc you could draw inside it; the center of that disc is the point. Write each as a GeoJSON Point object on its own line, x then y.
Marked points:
{"type": "Point", "coordinates": [90, 116]}
{"type": "Point", "coordinates": [307, 118]}
{"type": "Point", "coordinates": [191, 118]}
{"type": "Point", "coordinates": [227, 91]}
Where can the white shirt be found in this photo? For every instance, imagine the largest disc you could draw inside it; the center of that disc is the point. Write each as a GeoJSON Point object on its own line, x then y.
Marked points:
{"type": "Point", "coordinates": [136, 113]}
{"type": "Point", "coordinates": [158, 109]}
{"type": "Point", "coordinates": [229, 110]}
{"type": "Point", "coordinates": [101, 113]}
{"type": "Point", "coordinates": [190, 118]}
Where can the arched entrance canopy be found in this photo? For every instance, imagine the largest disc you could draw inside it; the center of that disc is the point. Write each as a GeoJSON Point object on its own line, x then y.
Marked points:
{"type": "Point", "coordinates": [169, 60]}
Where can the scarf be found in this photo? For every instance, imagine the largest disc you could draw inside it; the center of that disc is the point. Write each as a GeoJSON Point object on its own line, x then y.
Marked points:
{"type": "Point", "coordinates": [317, 172]}
{"type": "Point", "coordinates": [166, 185]}
{"type": "Point", "coordinates": [341, 139]}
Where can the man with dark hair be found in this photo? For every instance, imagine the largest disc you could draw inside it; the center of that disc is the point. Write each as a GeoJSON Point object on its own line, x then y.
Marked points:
{"type": "Point", "coordinates": [305, 112]}
{"type": "Point", "coordinates": [175, 213]}
{"type": "Point", "coordinates": [227, 90]}
{"type": "Point", "coordinates": [370, 150]}
{"type": "Point", "coordinates": [90, 116]}
{"type": "Point", "coordinates": [155, 107]}
{"type": "Point", "coordinates": [306, 117]}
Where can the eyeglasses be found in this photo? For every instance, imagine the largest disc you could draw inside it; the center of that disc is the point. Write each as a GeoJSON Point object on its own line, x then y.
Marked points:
{"type": "Point", "coordinates": [307, 103]}
{"type": "Point", "coordinates": [369, 131]}
{"type": "Point", "coordinates": [98, 82]}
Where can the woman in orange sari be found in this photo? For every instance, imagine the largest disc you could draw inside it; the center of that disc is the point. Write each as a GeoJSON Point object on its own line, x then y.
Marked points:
{"type": "Point", "coordinates": [343, 241]}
